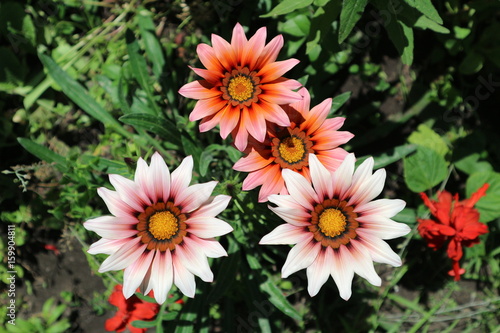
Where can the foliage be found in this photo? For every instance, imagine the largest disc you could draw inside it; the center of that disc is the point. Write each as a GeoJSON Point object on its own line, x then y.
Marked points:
{"type": "Point", "coordinates": [86, 88]}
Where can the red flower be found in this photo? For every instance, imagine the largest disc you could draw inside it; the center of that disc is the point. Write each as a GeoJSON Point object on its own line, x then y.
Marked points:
{"type": "Point", "coordinates": [129, 310]}
{"type": "Point", "coordinates": [454, 220]}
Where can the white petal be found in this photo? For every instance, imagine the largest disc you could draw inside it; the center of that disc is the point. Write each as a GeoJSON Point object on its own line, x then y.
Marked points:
{"type": "Point", "coordinates": [162, 273]}
{"type": "Point", "coordinates": [363, 264]}
{"type": "Point", "coordinates": [362, 173]}
{"type": "Point", "coordinates": [300, 188]}
{"type": "Point", "coordinates": [214, 206]}
{"type": "Point", "coordinates": [342, 272]}
{"type": "Point", "coordinates": [342, 177]}
{"type": "Point", "coordinates": [383, 227]}
{"type": "Point", "coordinates": [115, 204]}
{"type": "Point", "coordinates": [125, 256]}
{"type": "Point", "coordinates": [300, 256]}
{"type": "Point", "coordinates": [194, 196]}
{"type": "Point", "coordinates": [369, 189]}
{"type": "Point", "coordinates": [181, 177]}
{"type": "Point", "coordinates": [183, 279]}
{"type": "Point", "coordinates": [321, 178]}
{"type": "Point", "coordinates": [285, 201]}
{"type": "Point", "coordinates": [107, 246]}
{"type": "Point", "coordinates": [319, 272]}
{"type": "Point", "coordinates": [210, 247]}
{"type": "Point", "coordinates": [141, 176]}
{"type": "Point", "coordinates": [134, 274]}
{"type": "Point", "coordinates": [194, 259]}
{"type": "Point", "coordinates": [298, 218]}
{"type": "Point", "coordinates": [129, 192]}
{"type": "Point", "coordinates": [147, 282]}
{"type": "Point", "coordinates": [383, 207]}
{"type": "Point", "coordinates": [208, 227]}
{"type": "Point", "coordinates": [379, 250]}
{"type": "Point", "coordinates": [159, 178]}
{"type": "Point", "coordinates": [285, 234]}
{"type": "Point", "coordinates": [112, 227]}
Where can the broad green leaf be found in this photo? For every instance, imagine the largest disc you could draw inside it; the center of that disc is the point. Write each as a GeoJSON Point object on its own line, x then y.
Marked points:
{"type": "Point", "coordinates": [407, 215]}
{"type": "Point", "coordinates": [288, 6]}
{"type": "Point", "coordinates": [277, 298]}
{"type": "Point", "coordinates": [426, 8]}
{"type": "Point", "coordinates": [425, 136]}
{"type": "Point", "coordinates": [151, 42]}
{"type": "Point", "coordinates": [424, 169]}
{"type": "Point", "coordinates": [157, 125]}
{"type": "Point", "coordinates": [402, 37]}
{"type": "Point", "coordinates": [338, 101]}
{"type": "Point", "coordinates": [297, 26]}
{"type": "Point", "coordinates": [350, 14]}
{"type": "Point", "coordinates": [471, 164]}
{"type": "Point", "coordinates": [393, 155]}
{"type": "Point", "coordinates": [489, 205]}
{"type": "Point", "coordinates": [44, 153]}
{"type": "Point", "coordinates": [79, 95]}
{"type": "Point", "coordinates": [423, 22]}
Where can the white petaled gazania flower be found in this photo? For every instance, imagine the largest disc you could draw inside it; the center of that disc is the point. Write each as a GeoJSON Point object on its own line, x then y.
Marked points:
{"type": "Point", "coordinates": [162, 230]}
{"type": "Point", "coordinates": [336, 225]}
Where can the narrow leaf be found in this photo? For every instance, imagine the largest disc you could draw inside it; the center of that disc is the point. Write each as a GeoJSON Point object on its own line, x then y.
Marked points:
{"type": "Point", "coordinates": [151, 42]}
{"type": "Point", "coordinates": [338, 101]}
{"type": "Point", "coordinates": [288, 6]}
{"type": "Point", "coordinates": [350, 14]}
{"type": "Point", "coordinates": [157, 125]}
{"type": "Point", "coordinates": [44, 153]}
{"type": "Point", "coordinates": [427, 8]}
{"type": "Point", "coordinates": [279, 300]}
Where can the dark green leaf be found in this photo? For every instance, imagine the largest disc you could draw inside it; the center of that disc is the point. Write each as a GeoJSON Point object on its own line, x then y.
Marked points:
{"type": "Point", "coordinates": [44, 153]}
{"type": "Point", "coordinates": [426, 8]}
{"type": "Point", "coordinates": [143, 323]}
{"type": "Point", "coordinates": [350, 14]}
{"type": "Point", "coordinates": [394, 155]}
{"type": "Point", "coordinates": [288, 6]}
{"type": "Point", "coordinates": [79, 95]}
{"type": "Point", "coordinates": [151, 42]}
{"type": "Point", "coordinates": [157, 125]}
{"type": "Point", "coordinates": [488, 206]}
{"type": "Point", "coordinates": [338, 101]}
{"type": "Point", "coordinates": [424, 169]}
{"type": "Point", "coordinates": [277, 298]}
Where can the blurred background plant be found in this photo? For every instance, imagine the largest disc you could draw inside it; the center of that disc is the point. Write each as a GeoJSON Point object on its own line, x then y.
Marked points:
{"type": "Point", "coordinates": [86, 87]}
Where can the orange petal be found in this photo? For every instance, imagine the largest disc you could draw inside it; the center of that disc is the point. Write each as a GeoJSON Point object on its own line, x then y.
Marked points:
{"type": "Point", "coordinates": [274, 70]}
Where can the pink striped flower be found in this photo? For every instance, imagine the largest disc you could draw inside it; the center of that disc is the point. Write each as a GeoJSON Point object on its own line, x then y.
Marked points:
{"type": "Point", "coordinates": [242, 86]}
{"type": "Point", "coordinates": [336, 225]}
{"type": "Point", "coordinates": [161, 230]}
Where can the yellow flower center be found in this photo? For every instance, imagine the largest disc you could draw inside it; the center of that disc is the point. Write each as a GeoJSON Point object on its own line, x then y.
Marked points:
{"type": "Point", "coordinates": [332, 222]}
{"type": "Point", "coordinates": [163, 225]}
{"type": "Point", "coordinates": [292, 149]}
{"type": "Point", "coordinates": [240, 88]}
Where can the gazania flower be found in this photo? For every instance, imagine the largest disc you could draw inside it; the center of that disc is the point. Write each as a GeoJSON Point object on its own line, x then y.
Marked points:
{"type": "Point", "coordinates": [129, 310]}
{"type": "Point", "coordinates": [162, 229]}
{"type": "Point", "coordinates": [289, 147]}
{"type": "Point", "coordinates": [336, 225]}
{"type": "Point", "coordinates": [242, 86]}
{"type": "Point", "coordinates": [456, 221]}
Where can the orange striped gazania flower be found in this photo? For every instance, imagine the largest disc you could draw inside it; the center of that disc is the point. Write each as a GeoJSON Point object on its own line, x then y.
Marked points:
{"type": "Point", "coordinates": [242, 86]}
{"type": "Point", "coordinates": [289, 147]}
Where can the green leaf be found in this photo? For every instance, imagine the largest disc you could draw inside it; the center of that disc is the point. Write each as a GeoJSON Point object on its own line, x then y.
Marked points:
{"type": "Point", "coordinates": [488, 206]}
{"type": "Point", "coordinates": [338, 101]}
{"type": "Point", "coordinates": [472, 63]}
{"type": "Point", "coordinates": [423, 22]}
{"type": "Point", "coordinates": [471, 164]}
{"type": "Point", "coordinates": [424, 169]}
{"type": "Point", "coordinates": [288, 6]}
{"type": "Point", "coordinates": [393, 155]}
{"type": "Point", "coordinates": [44, 153]}
{"type": "Point", "coordinates": [144, 323]}
{"type": "Point", "coordinates": [407, 215]}
{"type": "Point", "coordinates": [151, 42]}
{"type": "Point", "coordinates": [350, 14]}
{"type": "Point", "coordinates": [425, 136]}
{"type": "Point", "coordinates": [277, 298]}
{"type": "Point", "coordinates": [402, 37]}
{"type": "Point", "coordinates": [426, 8]}
{"type": "Point", "coordinates": [297, 26]}
{"type": "Point", "coordinates": [157, 125]}
{"type": "Point", "coordinates": [79, 95]}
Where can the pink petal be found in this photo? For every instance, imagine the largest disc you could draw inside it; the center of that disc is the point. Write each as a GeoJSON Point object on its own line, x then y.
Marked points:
{"type": "Point", "coordinates": [317, 116]}
{"type": "Point", "coordinates": [304, 104]}
{"type": "Point", "coordinates": [300, 189]}
{"type": "Point", "coordinates": [333, 124]}
{"type": "Point", "coordinates": [275, 93]}
{"type": "Point", "coordinates": [342, 271]}
{"type": "Point", "coordinates": [300, 256]}
{"type": "Point", "coordinates": [134, 274]}
{"type": "Point", "coordinates": [272, 113]}
{"type": "Point", "coordinates": [213, 206]}
{"type": "Point", "coordinates": [207, 107]}
{"type": "Point", "coordinates": [369, 189]}
{"type": "Point", "coordinates": [238, 40]}
{"type": "Point", "coordinates": [224, 52]}
{"type": "Point", "coordinates": [241, 137]}
{"type": "Point", "coordinates": [319, 271]}
{"type": "Point", "coordinates": [111, 227]}
{"type": "Point", "coordinates": [321, 178]}
{"type": "Point", "coordinates": [328, 139]}
{"type": "Point", "coordinates": [200, 89]}
{"type": "Point", "coordinates": [361, 175]}
{"type": "Point", "coordinates": [181, 177]}
{"type": "Point", "coordinates": [107, 246]}
{"type": "Point", "coordinates": [384, 207]}
{"type": "Point", "coordinates": [299, 218]}
{"type": "Point", "coordinates": [255, 124]}
{"type": "Point", "coordinates": [194, 196]}
{"type": "Point", "coordinates": [286, 201]}
{"type": "Point", "coordinates": [253, 48]}
{"type": "Point", "coordinates": [270, 52]}
{"type": "Point", "coordinates": [208, 58]}
{"type": "Point", "coordinates": [379, 250]}
{"type": "Point", "coordinates": [228, 120]}
{"type": "Point", "coordinates": [141, 176]}
{"type": "Point", "coordinates": [212, 77]}
{"type": "Point", "coordinates": [383, 227]}
{"type": "Point", "coordinates": [125, 256]}
{"type": "Point", "coordinates": [183, 279]}
{"type": "Point", "coordinates": [274, 70]}
{"type": "Point", "coordinates": [285, 234]}
{"type": "Point", "coordinates": [273, 184]}
{"type": "Point", "coordinates": [162, 273]}
{"type": "Point", "coordinates": [193, 259]}
{"type": "Point", "coordinates": [210, 247]}
{"type": "Point", "coordinates": [208, 227]}
{"type": "Point", "coordinates": [253, 161]}
{"type": "Point", "coordinates": [331, 159]}
{"type": "Point", "coordinates": [115, 204]}
{"type": "Point", "coordinates": [130, 192]}
{"type": "Point", "coordinates": [342, 177]}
